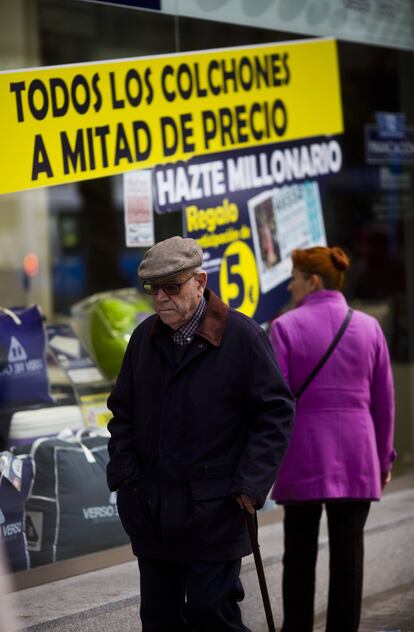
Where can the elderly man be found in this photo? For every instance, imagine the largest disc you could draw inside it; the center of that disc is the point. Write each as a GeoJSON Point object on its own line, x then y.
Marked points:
{"type": "Point", "coordinates": [201, 420]}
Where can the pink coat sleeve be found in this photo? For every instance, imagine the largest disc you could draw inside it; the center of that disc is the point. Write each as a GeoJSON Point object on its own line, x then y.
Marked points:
{"type": "Point", "coordinates": [280, 346]}
{"type": "Point", "coordinates": [382, 403]}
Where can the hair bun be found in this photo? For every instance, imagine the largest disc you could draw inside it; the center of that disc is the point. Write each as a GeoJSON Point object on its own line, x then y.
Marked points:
{"type": "Point", "coordinates": [339, 258]}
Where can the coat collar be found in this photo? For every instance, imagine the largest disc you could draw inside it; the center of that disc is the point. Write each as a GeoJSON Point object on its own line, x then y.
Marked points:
{"type": "Point", "coordinates": [213, 324]}
{"type": "Point", "coordinates": [323, 296]}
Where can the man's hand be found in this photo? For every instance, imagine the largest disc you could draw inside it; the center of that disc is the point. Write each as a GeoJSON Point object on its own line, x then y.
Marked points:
{"type": "Point", "coordinates": [246, 503]}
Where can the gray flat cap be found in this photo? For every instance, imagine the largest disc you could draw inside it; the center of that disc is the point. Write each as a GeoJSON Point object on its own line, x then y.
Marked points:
{"type": "Point", "coordinates": [169, 257]}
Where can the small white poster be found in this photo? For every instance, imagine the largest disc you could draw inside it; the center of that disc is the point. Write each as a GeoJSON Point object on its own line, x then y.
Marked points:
{"type": "Point", "coordinates": [284, 219]}
{"type": "Point", "coordinates": [138, 209]}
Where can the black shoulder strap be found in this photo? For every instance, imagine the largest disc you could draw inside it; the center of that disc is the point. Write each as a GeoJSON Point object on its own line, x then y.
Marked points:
{"type": "Point", "coordinates": [327, 353]}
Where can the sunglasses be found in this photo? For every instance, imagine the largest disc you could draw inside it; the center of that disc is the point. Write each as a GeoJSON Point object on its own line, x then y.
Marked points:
{"type": "Point", "coordinates": [171, 288]}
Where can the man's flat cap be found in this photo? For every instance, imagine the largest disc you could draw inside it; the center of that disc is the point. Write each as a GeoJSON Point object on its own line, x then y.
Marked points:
{"type": "Point", "coordinates": [170, 257]}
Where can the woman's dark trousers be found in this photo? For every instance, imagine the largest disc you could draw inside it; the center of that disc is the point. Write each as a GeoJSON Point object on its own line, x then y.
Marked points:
{"type": "Point", "coordinates": [190, 597]}
{"type": "Point", "coordinates": [346, 521]}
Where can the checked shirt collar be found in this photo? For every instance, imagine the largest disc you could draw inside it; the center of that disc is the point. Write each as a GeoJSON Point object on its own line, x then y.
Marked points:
{"type": "Point", "coordinates": [185, 334]}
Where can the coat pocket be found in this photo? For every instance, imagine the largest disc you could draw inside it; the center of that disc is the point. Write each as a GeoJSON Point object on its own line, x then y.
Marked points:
{"type": "Point", "coordinates": [210, 488]}
{"type": "Point", "coordinates": [217, 516]}
{"type": "Point", "coordinates": [130, 509]}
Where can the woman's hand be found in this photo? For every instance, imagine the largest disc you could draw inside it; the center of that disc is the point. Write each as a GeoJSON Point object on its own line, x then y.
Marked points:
{"type": "Point", "coordinates": [385, 478]}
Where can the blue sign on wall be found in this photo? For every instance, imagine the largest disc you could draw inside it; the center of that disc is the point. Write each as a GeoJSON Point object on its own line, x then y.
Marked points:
{"type": "Point", "coordinates": [389, 140]}
{"type": "Point", "coordinates": [248, 209]}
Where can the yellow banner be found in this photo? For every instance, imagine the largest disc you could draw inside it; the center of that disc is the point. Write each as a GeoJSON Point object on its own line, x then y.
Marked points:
{"type": "Point", "coordinates": [68, 123]}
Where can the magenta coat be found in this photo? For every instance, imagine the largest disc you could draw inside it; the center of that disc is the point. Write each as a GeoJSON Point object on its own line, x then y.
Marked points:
{"type": "Point", "coordinates": [343, 434]}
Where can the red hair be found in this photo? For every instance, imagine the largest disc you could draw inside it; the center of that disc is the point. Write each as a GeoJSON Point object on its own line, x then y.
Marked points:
{"type": "Point", "coordinates": [328, 263]}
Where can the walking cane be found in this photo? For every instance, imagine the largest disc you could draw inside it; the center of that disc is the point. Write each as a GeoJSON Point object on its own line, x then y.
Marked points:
{"type": "Point", "coordinates": [251, 525]}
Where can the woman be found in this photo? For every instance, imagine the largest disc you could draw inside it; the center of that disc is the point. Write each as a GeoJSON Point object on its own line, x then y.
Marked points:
{"type": "Point", "coordinates": [341, 453]}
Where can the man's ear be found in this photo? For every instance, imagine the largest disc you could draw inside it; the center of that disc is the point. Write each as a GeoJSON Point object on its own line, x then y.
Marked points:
{"type": "Point", "coordinates": [202, 279]}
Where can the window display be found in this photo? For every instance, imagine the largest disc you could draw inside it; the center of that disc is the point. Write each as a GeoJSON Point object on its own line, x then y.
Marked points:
{"type": "Point", "coordinates": [69, 294]}
{"type": "Point", "coordinates": [54, 500]}
{"type": "Point", "coordinates": [60, 522]}
{"type": "Point", "coordinates": [16, 478]}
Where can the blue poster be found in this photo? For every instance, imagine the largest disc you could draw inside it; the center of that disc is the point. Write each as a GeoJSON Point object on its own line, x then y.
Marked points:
{"type": "Point", "coordinates": [248, 209]}
{"type": "Point", "coordinates": [389, 140]}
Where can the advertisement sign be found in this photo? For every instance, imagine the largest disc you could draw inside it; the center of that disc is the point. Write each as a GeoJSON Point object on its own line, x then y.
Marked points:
{"type": "Point", "coordinates": [248, 210]}
{"type": "Point", "coordinates": [282, 220]}
{"type": "Point", "coordinates": [76, 122]}
{"type": "Point", "coordinates": [138, 207]}
{"type": "Point", "coordinates": [389, 140]}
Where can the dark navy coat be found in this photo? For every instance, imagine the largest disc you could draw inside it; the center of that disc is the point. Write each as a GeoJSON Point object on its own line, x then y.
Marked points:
{"type": "Point", "coordinates": [186, 438]}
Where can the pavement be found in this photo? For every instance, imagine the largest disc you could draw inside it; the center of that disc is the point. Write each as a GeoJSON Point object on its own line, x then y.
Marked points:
{"type": "Point", "coordinates": [390, 611]}
{"type": "Point", "coordinates": [107, 600]}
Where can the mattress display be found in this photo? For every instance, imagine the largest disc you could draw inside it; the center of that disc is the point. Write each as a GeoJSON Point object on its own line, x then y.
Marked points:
{"type": "Point", "coordinates": [70, 510]}
{"type": "Point", "coordinates": [105, 322]}
{"type": "Point", "coordinates": [30, 424]}
{"type": "Point", "coordinates": [16, 477]}
{"type": "Point", "coordinates": [23, 370]}
{"type": "Point", "coordinates": [54, 499]}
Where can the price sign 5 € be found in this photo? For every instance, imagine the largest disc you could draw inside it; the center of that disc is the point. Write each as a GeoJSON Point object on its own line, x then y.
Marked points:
{"type": "Point", "coordinates": [238, 280]}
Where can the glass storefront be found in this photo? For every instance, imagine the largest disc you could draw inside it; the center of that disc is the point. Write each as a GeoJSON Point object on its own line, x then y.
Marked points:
{"type": "Point", "coordinates": [63, 248]}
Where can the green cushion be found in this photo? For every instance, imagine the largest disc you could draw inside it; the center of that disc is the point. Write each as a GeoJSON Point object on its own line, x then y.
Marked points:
{"type": "Point", "coordinates": [112, 321]}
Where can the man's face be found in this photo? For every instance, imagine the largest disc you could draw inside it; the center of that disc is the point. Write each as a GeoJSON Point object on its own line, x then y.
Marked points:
{"type": "Point", "coordinates": [177, 309]}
